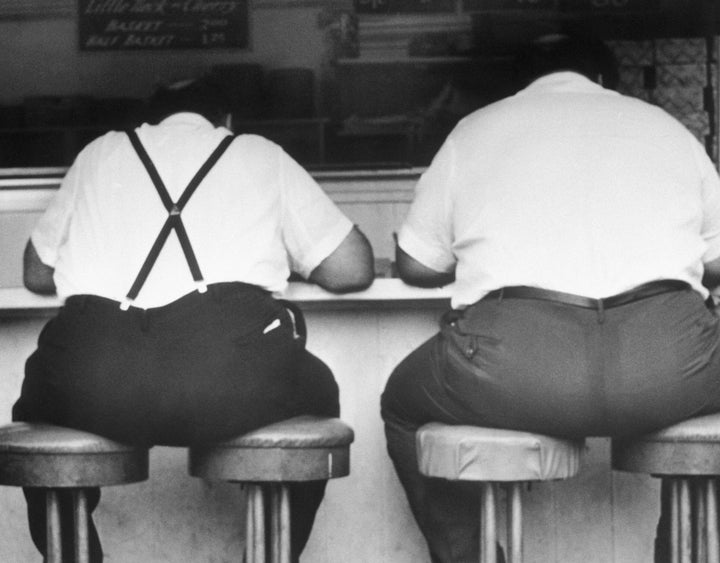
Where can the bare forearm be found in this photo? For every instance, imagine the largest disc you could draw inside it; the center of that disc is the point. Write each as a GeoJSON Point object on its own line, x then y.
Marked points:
{"type": "Point", "coordinates": [351, 267]}
{"type": "Point", "coordinates": [415, 273]}
{"type": "Point", "coordinates": [37, 276]}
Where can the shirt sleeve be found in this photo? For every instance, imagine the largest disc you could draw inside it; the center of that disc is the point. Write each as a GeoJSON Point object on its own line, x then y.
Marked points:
{"type": "Point", "coordinates": [52, 228]}
{"type": "Point", "coordinates": [312, 225]}
{"type": "Point", "coordinates": [426, 234]}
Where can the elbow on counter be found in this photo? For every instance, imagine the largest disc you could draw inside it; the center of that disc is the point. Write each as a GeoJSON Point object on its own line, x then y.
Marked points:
{"type": "Point", "coordinates": [355, 277]}
{"type": "Point", "coordinates": [359, 282]}
{"type": "Point", "coordinates": [351, 267]}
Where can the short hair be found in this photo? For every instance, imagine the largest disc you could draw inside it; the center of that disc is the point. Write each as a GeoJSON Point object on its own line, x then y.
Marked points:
{"type": "Point", "coordinates": [200, 95]}
{"type": "Point", "coordinates": [587, 55]}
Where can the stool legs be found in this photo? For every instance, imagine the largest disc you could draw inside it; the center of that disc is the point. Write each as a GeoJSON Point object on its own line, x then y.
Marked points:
{"type": "Point", "coordinates": [693, 520]}
{"type": "Point", "coordinates": [711, 521]}
{"type": "Point", "coordinates": [279, 532]}
{"type": "Point", "coordinates": [514, 512]}
{"type": "Point", "coordinates": [488, 522]}
{"type": "Point", "coordinates": [54, 542]}
{"type": "Point", "coordinates": [82, 538]}
{"type": "Point", "coordinates": [255, 540]}
{"type": "Point", "coordinates": [53, 528]}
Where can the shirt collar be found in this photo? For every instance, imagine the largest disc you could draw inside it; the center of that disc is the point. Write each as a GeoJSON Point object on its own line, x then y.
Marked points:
{"type": "Point", "coordinates": [564, 81]}
{"type": "Point", "coordinates": [186, 118]}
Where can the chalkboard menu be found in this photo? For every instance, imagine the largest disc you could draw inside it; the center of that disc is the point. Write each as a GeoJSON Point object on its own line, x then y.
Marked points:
{"type": "Point", "coordinates": [109, 25]}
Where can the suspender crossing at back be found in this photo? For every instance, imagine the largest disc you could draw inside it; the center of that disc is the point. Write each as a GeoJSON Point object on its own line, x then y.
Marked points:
{"type": "Point", "coordinates": [174, 220]}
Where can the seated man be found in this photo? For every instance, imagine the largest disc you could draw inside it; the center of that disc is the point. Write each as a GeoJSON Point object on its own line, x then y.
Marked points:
{"type": "Point", "coordinates": [168, 245]}
{"type": "Point", "coordinates": [582, 231]}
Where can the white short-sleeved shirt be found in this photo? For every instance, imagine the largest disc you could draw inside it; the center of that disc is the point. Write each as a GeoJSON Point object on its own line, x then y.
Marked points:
{"type": "Point", "coordinates": [570, 187]}
{"type": "Point", "coordinates": [255, 216]}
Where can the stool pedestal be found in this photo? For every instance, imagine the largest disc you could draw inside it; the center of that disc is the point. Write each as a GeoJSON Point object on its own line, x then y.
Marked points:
{"type": "Point", "coordinates": [496, 458]}
{"type": "Point", "coordinates": [54, 458]}
{"type": "Point", "coordinates": [686, 457]}
{"type": "Point", "coordinates": [304, 448]}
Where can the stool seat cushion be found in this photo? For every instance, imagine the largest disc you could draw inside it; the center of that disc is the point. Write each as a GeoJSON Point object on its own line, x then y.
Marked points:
{"type": "Point", "coordinates": [304, 448]}
{"type": "Point", "coordinates": [299, 432]}
{"type": "Point", "coordinates": [699, 429]}
{"type": "Point", "coordinates": [22, 437]}
{"type": "Point", "coordinates": [472, 453]}
{"type": "Point", "coordinates": [691, 447]}
{"type": "Point", "coordinates": [42, 455]}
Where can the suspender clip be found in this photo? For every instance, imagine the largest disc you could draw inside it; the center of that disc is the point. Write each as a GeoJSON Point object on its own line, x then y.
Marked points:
{"type": "Point", "coordinates": [125, 304]}
{"type": "Point", "coordinates": [201, 286]}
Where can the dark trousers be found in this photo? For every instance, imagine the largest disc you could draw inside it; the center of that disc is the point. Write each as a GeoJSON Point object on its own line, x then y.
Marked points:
{"type": "Point", "coordinates": [550, 368]}
{"type": "Point", "coordinates": [202, 369]}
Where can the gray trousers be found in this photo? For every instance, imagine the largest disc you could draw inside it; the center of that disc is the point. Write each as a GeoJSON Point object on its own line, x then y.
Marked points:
{"type": "Point", "coordinates": [551, 368]}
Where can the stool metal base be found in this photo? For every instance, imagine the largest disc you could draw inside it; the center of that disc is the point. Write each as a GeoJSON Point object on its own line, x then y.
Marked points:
{"type": "Point", "coordinates": [277, 538]}
{"type": "Point", "coordinates": [488, 521]}
{"type": "Point", "coordinates": [693, 520]}
{"type": "Point", "coordinates": [52, 527]}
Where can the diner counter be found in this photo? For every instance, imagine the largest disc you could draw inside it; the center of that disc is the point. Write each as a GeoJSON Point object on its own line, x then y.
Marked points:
{"type": "Point", "coordinates": [385, 292]}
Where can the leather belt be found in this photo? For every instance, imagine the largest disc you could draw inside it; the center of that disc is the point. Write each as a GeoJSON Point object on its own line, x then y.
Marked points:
{"type": "Point", "coordinates": [637, 293]}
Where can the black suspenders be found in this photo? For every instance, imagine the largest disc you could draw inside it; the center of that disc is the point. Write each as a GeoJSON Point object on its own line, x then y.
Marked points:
{"type": "Point", "coordinates": [174, 220]}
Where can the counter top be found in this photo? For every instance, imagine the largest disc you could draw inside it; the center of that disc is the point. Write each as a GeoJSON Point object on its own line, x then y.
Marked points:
{"type": "Point", "coordinates": [385, 293]}
{"type": "Point", "coordinates": [34, 178]}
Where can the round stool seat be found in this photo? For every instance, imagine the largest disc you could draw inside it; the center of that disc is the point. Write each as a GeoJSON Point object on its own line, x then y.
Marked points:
{"type": "Point", "coordinates": [303, 448]}
{"type": "Point", "coordinates": [472, 453]}
{"type": "Point", "coordinates": [495, 458]}
{"type": "Point", "coordinates": [42, 455]}
{"type": "Point", "coordinates": [686, 457]}
{"type": "Point", "coordinates": [691, 447]}
{"type": "Point", "coordinates": [267, 460]}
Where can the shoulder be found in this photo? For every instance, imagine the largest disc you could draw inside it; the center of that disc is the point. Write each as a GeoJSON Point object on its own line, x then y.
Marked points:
{"type": "Point", "coordinates": [103, 148]}
{"type": "Point", "coordinates": [253, 142]}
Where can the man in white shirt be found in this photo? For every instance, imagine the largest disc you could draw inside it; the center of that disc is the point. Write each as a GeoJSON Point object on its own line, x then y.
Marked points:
{"type": "Point", "coordinates": [169, 245]}
{"type": "Point", "coordinates": [581, 229]}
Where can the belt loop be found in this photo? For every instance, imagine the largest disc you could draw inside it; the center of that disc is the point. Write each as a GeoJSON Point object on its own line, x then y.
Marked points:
{"type": "Point", "coordinates": [501, 294]}
{"type": "Point", "coordinates": [601, 311]}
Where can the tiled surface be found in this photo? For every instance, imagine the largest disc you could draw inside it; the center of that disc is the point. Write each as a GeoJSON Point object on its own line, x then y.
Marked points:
{"type": "Point", "coordinates": [680, 71]}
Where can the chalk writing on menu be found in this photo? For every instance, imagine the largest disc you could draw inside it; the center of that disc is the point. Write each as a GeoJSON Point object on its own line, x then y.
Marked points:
{"type": "Point", "coordinates": [108, 25]}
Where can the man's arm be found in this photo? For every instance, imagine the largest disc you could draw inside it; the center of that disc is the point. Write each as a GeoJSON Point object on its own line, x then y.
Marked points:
{"type": "Point", "coordinates": [711, 275]}
{"type": "Point", "coordinates": [37, 276]}
{"type": "Point", "coordinates": [414, 273]}
{"type": "Point", "coordinates": [350, 267]}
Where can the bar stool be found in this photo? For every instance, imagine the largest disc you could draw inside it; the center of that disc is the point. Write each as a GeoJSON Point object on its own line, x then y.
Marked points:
{"type": "Point", "coordinates": [686, 456]}
{"type": "Point", "coordinates": [54, 457]}
{"type": "Point", "coordinates": [304, 448]}
{"type": "Point", "coordinates": [492, 456]}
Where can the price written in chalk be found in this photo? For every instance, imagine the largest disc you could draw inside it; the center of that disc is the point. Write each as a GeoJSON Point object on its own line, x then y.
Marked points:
{"type": "Point", "coordinates": [162, 24]}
